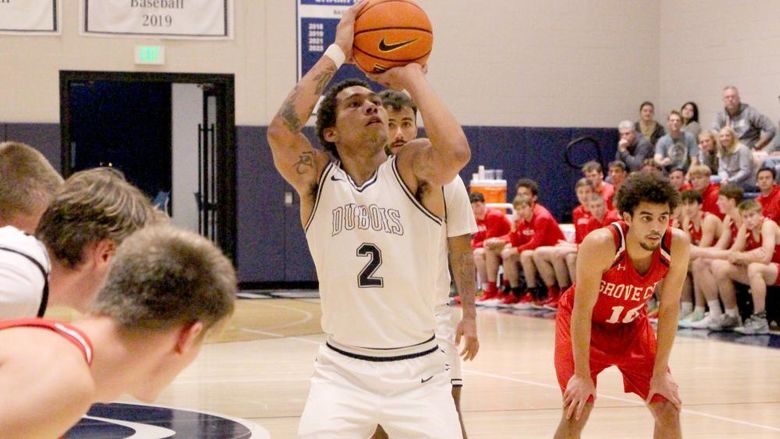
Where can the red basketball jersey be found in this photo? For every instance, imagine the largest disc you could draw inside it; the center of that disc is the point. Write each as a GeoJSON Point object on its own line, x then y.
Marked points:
{"type": "Point", "coordinates": [624, 292]}
{"type": "Point", "coordinates": [751, 244]}
{"type": "Point", "coordinates": [70, 333]}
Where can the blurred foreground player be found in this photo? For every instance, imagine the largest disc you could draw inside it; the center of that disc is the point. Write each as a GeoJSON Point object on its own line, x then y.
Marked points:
{"type": "Point", "coordinates": [166, 290]}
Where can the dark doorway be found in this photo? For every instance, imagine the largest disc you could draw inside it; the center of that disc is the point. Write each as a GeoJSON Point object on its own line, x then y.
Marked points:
{"type": "Point", "coordinates": [127, 120]}
{"type": "Point", "coordinates": [125, 125]}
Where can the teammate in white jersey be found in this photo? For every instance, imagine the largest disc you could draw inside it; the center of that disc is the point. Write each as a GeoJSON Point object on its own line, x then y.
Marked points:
{"type": "Point", "coordinates": [375, 230]}
{"type": "Point", "coordinates": [76, 239]}
{"type": "Point", "coordinates": [402, 123]}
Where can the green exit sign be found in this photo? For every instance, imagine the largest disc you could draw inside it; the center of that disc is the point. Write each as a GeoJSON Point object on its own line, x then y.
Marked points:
{"type": "Point", "coordinates": [150, 55]}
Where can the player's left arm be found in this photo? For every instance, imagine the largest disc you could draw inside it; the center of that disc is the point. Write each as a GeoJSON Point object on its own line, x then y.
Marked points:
{"type": "Point", "coordinates": [764, 253]}
{"type": "Point", "coordinates": [463, 269]}
{"type": "Point", "coordinates": [439, 158]}
{"type": "Point", "coordinates": [671, 289]}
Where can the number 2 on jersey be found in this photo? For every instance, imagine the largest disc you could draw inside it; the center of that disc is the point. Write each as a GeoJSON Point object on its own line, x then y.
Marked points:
{"type": "Point", "coordinates": [366, 277]}
{"type": "Point", "coordinates": [630, 316]}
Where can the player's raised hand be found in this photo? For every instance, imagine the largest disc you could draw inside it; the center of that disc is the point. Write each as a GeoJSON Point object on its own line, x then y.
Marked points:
{"type": "Point", "coordinates": [345, 31]}
{"type": "Point", "coordinates": [578, 390]}
{"type": "Point", "coordinates": [400, 78]}
{"type": "Point", "coordinates": [467, 331]}
{"type": "Point", "coordinates": [665, 386]}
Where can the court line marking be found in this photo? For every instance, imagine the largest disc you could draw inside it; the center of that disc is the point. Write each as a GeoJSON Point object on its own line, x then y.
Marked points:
{"type": "Point", "coordinates": [626, 400]}
{"type": "Point", "coordinates": [549, 386]}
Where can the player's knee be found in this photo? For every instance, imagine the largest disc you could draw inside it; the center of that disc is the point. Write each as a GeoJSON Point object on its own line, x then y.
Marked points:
{"type": "Point", "coordinates": [527, 256]}
{"type": "Point", "coordinates": [720, 269]}
{"type": "Point", "coordinates": [665, 413]}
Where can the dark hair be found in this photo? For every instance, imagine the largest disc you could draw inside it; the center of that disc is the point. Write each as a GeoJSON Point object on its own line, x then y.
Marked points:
{"type": "Point", "coordinates": [695, 117]}
{"type": "Point", "coordinates": [326, 113]}
{"type": "Point", "coordinates": [592, 166]}
{"type": "Point", "coordinates": [691, 196]}
{"type": "Point", "coordinates": [767, 168]}
{"type": "Point", "coordinates": [646, 103]}
{"type": "Point", "coordinates": [732, 192]}
{"type": "Point", "coordinates": [647, 187]}
{"type": "Point", "coordinates": [528, 183]}
{"type": "Point", "coordinates": [397, 100]}
{"type": "Point", "coordinates": [476, 197]}
{"type": "Point", "coordinates": [617, 164]}
{"type": "Point", "coordinates": [677, 168]}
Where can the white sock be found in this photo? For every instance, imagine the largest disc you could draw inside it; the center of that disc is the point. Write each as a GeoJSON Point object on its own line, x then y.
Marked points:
{"type": "Point", "coordinates": [699, 310]}
{"type": "Point", "coordinates": [714, 308]}
{"type": "Point", "coordinates": [686, 308]}
{"type": "Point", "coordinates": [733, 312]}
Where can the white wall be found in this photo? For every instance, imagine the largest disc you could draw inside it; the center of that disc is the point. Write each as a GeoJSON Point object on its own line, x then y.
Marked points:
{"type": "Point", "coordinates": [500, 62]}
{"type": "Point", "coordinates": [187, 113]}
{"type": "Point", "coordinates": [706, 45]}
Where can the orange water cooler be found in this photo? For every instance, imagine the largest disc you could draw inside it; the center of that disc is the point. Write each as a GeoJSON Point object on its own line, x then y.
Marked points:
{"type": "Point", "coordinates": [493, 190]}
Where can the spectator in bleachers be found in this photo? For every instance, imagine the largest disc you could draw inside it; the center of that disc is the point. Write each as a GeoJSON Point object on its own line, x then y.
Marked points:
{"type": "Point", "coordinates": [491, 223]}
{"type": "Point", "coordinates": [735, 161]}
{"type": "Point", "coordinates": [617, 174]}
{"type": "Point", "coordinates": [708, 151]}
{"type": "Point", "coordinates": [27, 185]}
{"type": "Point", "coordinates": [676, 148]}
{"type": "Point", "coordinates": [633, 148]}
{"type": "Point", "coordinates": [752, 259]}
{"type": "Point", "coordinates": [593, 171]}
{"type": "Point", "coordinates": [647, 125]}
{"type": "Point", "coordinates": [729, 197]}
{"type": "Point", "coordinates": [752, 128]}
{"type": "Point", "coordinates": [699, 177]}
{"type": "Point", "coordinates": [690, 116]}
{"type": "Point", "coordinates": [534, 227]}
{"type": "Point", "coordinates": [677, 179]}
{"type": "Point", "coordinates": [704, 230]}
{"type": "Point", "coordinates": [770, 193]}
{"type": "Point", "coordinates": [650, 165]}
{"type": "Point", "coordinates": [551, 260]}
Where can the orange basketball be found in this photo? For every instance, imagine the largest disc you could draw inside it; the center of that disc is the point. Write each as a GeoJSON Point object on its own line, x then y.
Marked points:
{"type": "Point", "coordinates": [391, 33]}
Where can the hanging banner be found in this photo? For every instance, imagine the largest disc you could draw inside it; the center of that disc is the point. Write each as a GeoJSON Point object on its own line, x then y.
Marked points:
{"type": "Point", "coordinates": [29, 17]}
{"type": "Point", "coordinates": [317, 21]}
{"type": "Point", "coordinates": [182, 19]}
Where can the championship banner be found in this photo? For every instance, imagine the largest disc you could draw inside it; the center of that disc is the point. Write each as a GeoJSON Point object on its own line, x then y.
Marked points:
{"type": "Point", "coordinates": [29, 17]}
{"type": "Point", "coordinates": [317, 21]}
{"type": "Point", "coordinates": [182, 19]}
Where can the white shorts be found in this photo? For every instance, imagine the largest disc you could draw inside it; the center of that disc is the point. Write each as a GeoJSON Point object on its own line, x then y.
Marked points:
{"type": "Point", "coordinates": [349, 397]}
{"type": "Point", "coordinates": [446, 322]}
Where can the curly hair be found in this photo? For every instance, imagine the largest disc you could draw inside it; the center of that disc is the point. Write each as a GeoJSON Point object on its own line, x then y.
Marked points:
{"type": "Point", "coordinates": [327, 112]}
{"type": "Point", "coordinates": [647, 187]}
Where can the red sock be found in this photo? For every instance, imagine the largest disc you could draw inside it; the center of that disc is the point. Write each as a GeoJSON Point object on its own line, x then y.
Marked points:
{"type": "Point", "coordinates": [491, 288]}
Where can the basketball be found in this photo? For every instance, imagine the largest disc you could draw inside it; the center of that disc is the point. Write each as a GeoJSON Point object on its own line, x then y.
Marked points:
{"type": "Point", "coordinates": [391, 33]}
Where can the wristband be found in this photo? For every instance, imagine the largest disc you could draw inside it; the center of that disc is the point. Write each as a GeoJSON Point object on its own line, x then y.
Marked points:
{"type": "Point", "coordinates": [335, 54]}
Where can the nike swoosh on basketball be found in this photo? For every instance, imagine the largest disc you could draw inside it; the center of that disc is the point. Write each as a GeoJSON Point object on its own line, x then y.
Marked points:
{"type": "Point", "coordinates": [425, 380]}
{"type": "Point", "coordinates": [384, 47]}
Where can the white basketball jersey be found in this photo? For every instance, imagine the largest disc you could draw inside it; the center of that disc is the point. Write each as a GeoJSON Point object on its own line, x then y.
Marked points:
{"type": "Point", "coordinates": [377, 254]}
{"type": "Point", "coordinates": [459, 221]}
{"type": "Point", "coordinates": [24, 270]}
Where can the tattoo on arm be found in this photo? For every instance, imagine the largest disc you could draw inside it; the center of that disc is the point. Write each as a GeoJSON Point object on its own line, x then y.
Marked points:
{"type": "Point", "coordinates": [292, 120]}
{"type": "Point", "coordinates": [305, 163]}
{"type": "Point", "coordinates": [464, 272]}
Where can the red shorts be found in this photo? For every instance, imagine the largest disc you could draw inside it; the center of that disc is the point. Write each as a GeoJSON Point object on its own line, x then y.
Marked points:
{"type": "Point", "coordinates": [631, 347]}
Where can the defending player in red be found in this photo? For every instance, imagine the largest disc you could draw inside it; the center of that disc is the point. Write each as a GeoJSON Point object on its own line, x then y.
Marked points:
{"type": "Point", "coordinates": [602, 321]}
